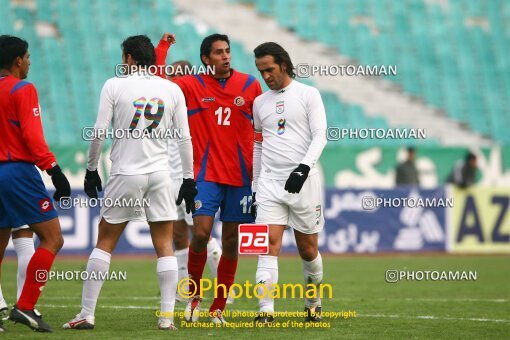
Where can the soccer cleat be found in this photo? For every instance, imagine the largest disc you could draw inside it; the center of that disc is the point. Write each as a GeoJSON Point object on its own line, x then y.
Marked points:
{"type": "Point", "coordinates": [30, 319]}
{"type": "Point", "coordinates": [36, 312]}
{"type": "Point", "coordinates": [166, 325]}
{"type": "Point", "coordinates": [217, 317]}
{"type": "Point", "coordinates": [264, 319]}
{"type": "Point", "coordinates": [80, 322]}
{"type": "Point", "coordinates": [192, 310]}
{"type": "Point", "coordinates": [313, 314]}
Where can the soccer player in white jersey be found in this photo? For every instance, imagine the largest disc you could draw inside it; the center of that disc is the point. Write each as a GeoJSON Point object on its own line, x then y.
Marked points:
{"type": "Point", "coordinates": [140, 171]}
{"type": "Point", "coordinates": [290, 134]}
{"type": "Point", "coordinates": [185, 221]}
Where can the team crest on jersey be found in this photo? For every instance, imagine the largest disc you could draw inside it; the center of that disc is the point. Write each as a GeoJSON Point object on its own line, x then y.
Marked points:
{"type": "Point", "coordinates": [45, 205]}
{"type": "Point", "coordinates": [318, 212]}
{"type": "Point", "coordinates": [280, 107]}
{"type": "Point", "coordinates": [198, 204]}
{"type": "Point", "coordinates": [239, 101]}
{"type": "Point", "coordinates": [208, 99]}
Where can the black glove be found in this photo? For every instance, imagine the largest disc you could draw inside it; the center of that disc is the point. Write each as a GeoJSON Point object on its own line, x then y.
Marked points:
{"type": "Point", "coordinates": [297, 178]}
{"type": "Point", "coordinates": [60, 182]}
{"type": "Point", "coordinates": [92, 183]}
{"type": "Point", "coordinates": [253, 206]}
{"type": "Point", "coordinates": [188, 191]}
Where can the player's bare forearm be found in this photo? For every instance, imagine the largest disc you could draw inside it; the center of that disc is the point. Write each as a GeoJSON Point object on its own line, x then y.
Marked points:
{"type": "Point", "coordinates": [162, 49]}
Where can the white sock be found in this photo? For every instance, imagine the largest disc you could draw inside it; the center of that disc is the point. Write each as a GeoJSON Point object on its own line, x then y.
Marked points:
{"type": "Point", "coordinates": [213, 256]}
{"type": "Point", "coordinates": [267, 272]}
{"type": "Point", "coordinates": [312, 271]}
{"type": "Point", "coordinates": [24, 247]}
{"type": "Point", "coordinates": [1, 294]}
{"type": "Point", "coordinates": [182, 266]}
{"type": "Point", "coordinates": [167, 277]}
{"type": "Point", "coordinates": [99, 262]}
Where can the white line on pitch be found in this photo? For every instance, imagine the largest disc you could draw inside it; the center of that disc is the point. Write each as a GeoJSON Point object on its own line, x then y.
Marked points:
{"type": "Point", "coordinates": [429, 317]}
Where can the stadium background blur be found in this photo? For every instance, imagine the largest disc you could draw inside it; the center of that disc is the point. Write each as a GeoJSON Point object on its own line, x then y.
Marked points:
{"type": "Point", "coordinates": [453, 80]}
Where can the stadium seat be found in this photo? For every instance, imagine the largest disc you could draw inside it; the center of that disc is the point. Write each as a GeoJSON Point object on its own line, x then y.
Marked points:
{"type": "Point", "coordinates": [420, 37]}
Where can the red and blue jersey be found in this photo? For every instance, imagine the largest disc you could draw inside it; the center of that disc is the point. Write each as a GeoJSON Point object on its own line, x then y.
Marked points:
{"type": "Point", "coordinates": [221, 123]}
{"type": "Point", "coordinates": [21, 131]}
{"type": "Point", "coordinates": [220, 118]}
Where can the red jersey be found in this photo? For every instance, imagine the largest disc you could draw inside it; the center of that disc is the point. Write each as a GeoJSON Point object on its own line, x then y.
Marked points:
{"type": "Point", "coordinates": [21, 131]}
{"type": "Point", "coordinates": [221, 124]}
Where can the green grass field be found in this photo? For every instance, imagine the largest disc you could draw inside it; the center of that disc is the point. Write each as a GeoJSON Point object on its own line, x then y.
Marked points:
{"type": "Point", "coordinates": [415, 309]}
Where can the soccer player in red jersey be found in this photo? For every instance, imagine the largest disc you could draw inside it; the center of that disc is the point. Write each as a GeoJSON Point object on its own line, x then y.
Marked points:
{"type": "Point", "coordinates": [221, 124]}
{"type": "Point", "coordinates": [23, 197]}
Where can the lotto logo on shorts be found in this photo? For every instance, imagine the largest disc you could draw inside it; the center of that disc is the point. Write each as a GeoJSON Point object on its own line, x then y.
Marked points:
{"type": "Point", "coordinates": [45, 205]}
{"type": "Point", "coordinates": [253, 239]}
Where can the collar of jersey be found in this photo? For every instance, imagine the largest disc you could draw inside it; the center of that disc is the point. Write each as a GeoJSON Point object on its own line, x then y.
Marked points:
{"type": "Point", "coordinates": [283, 89]}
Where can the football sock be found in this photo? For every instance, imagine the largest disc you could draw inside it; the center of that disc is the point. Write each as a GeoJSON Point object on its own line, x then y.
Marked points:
{"type": "Point", "coordinates": [99, 262]}
{"type": "Point", "coordinates": [182, 265]}
{"type": "Point", "coordinates": [267, 273]}
{"type": "Point", "coordinates": [196, 264]}
{"type": "Point", "coordinates": [226, 275]}
{"type": "Point", "coordinates": [167, 277]}
{"type": "Point", "coordinates": [40, 261]}
{"type": "Point", "coordinates": [312, 271]}
{"type": "Point", "coordinates": [24, 247]}
{"type": "Point", "coordinates": [213, 256]}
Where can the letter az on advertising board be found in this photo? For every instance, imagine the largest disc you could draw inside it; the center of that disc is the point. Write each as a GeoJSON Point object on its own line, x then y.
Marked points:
{"type": "Point", "coordinates": [480, 220]}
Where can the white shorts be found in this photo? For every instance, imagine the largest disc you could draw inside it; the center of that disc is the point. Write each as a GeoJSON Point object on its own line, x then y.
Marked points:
{"type": "Point", "coordinates": [181, 209]}
{"type": "Point", "coordinates": [302, 212]}
{"type": "Point", "coordinates": [155, 189]}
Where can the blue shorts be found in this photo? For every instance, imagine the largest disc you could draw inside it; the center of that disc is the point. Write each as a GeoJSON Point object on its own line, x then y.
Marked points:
{"type": "Point", "coordinates": [235, 202]}
{"type": "Point", "coordinates": [23, 197]}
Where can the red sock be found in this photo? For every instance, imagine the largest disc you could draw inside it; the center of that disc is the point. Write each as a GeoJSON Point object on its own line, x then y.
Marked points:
{"type": "Point", "coordinates": [226, 275]}
{"type": "Point", "coordinates": [196, 264]}
{"type": "Point", "coordinates": [41, 261]}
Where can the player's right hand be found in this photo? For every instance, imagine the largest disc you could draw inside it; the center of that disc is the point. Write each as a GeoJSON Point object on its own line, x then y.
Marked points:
{"type": "Point", "coordinates": [253, 206]}
{"type": "Point", "coordinates": [188, 191]}
{"type": "Point", "coordinates": [60, 182]}
{"type": "Point", "coordinates": [92, 183]}
{"type": "Point", "coordinates": [169, 37]}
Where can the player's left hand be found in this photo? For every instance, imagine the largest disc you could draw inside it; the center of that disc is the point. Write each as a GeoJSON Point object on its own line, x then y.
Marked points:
{"type": "Point", "coordinates": [92, 183]}
{"type": "Point", "coordinates": [297, 178]}
{"type": "Point", "coordinates": [188, 191]}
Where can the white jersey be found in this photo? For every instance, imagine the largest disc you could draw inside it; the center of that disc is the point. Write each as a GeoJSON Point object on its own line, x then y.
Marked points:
{"type": "Point", "coordinates": [141, 102]}
{"type": "Point", "coordinates": [174, 160]}
{"type": "Point", "coordinates": [293, 126]}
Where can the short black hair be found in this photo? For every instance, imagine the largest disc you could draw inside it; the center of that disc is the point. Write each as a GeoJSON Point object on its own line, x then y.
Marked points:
{"type": "Point", "coordinates": [206, 45]}
{"type": "Point", "coordinates": [411, 149]}
{"type": "Point", "coordinates": [141, 49]}
{"type": "Point", "coordinates": [10, 48]}
{"type": "Point", "coordinates": [470, 156]}
{"type": "Point", "coordinates": [278, 53]}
